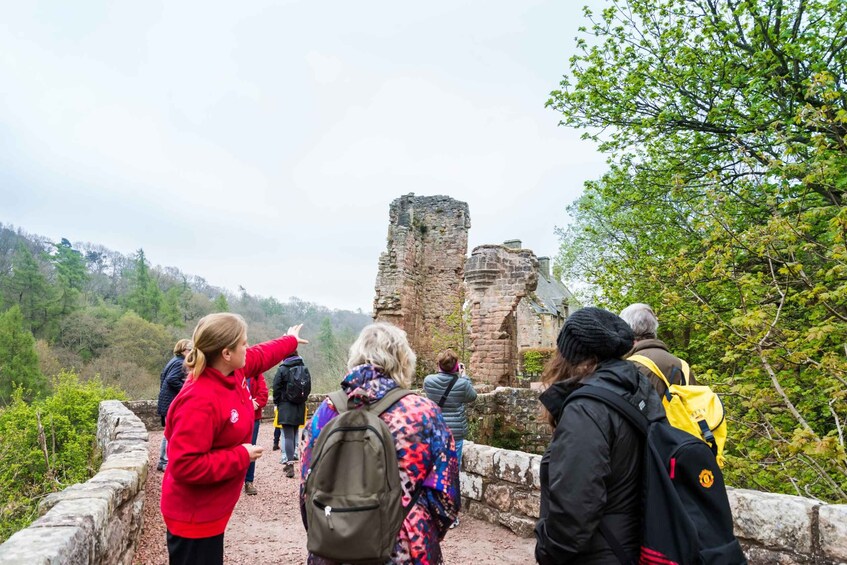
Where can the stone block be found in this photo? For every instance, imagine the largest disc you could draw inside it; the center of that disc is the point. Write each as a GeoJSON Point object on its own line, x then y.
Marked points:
{"type": "Point", "coordinates": [478, 459]}
{"type": "Point", "coordinates": [832, 521]}
{"type": "Point", "coordinates": [134, 461]}
{"type": "Point", "coordinates": [470, 485]}
{"type": "Point", "coordinates": [482, 512]}
{"type": "Point", "coordinates": [123, 445]}
{"type": "Point", "coordinates": [60, 545]}
{"type": "Point", "coordinates": [499, 496]}
{"type": "Point", "coordinates": [526, 502]}
{"type": "Point", "coordinates": [763, 556]}
{"type": "Point", "coordinates": [513, 466]}
{"type": "Point", "coordinates": [524, 527]}
{"type": "Point", "coordinates": [775, 521]}
{"type": "Point", "coordinates": [82, 491]}
{"type": "Point", "coordinates": [126, 483]}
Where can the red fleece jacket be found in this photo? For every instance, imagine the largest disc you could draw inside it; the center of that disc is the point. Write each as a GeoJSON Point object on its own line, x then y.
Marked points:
{"type": "Point", "coordinates": [259, 392]}
{"type": "Point", "coordinates": [206, 424]}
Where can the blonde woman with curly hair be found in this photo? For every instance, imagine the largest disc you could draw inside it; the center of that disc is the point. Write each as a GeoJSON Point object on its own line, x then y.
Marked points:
{"type": "Point", "coordinates": [209, 429]}
{"type": "Point", "coordinates": [380, 361]}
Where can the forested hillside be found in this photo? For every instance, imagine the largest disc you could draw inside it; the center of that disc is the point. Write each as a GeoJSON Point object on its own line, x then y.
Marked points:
{"type": "Point", "coordinates": [95, 311]}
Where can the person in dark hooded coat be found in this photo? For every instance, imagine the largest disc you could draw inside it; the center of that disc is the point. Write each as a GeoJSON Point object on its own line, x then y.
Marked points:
{"type": "Point", "coordinates": [591, 472]}
{"type": "Point", "coordinates": [290, 414]}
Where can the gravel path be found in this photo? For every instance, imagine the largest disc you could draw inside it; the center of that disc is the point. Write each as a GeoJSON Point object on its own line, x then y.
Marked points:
{"type": "Point", "coordinates": [266, 528]}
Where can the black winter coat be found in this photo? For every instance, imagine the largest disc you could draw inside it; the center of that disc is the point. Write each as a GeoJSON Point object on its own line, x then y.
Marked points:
{"type": "Point", "coordinates": [592, 470]}
{"type": "Point", "coordinates": [288, 413]}
{"type": "Point", "coordinates": [170, 383]}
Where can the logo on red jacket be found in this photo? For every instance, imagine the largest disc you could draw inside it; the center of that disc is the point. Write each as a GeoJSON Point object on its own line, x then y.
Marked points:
{"type": "Point", "coordinates": [233, 416]}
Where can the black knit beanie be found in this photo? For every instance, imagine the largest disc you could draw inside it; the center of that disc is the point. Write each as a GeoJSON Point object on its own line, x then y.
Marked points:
{"type": "Point", "coordinates": [594, 332]}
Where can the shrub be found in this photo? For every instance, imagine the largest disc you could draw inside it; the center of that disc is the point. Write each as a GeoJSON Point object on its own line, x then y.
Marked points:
{"type": "Point", "coordinates": [533, 360]}
{"type": "Point", "coordinates": [47, 445]}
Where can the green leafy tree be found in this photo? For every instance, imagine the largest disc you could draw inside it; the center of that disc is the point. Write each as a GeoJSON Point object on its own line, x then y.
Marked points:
{"type": "Point", "coordinates": [725, 123]}
{"type": "Point", "coordinates": [171, 312]}
{"type": "Point", "coordinates": [18, 360]}
{"type": "Point", "coordinates": [145, 298]}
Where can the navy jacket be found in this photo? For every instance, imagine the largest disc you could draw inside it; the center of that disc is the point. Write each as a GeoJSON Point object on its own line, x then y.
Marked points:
{"type": "Point", "coordinates": [170, 383]}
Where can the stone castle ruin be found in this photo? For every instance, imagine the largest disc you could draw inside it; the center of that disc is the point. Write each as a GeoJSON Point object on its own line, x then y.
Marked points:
{"type": "Point", "coordinates": [425, 280]}
{"type": "Point", "coordinates": [419, 282]}
{"type": "Point", "coordinates": [497, 278]}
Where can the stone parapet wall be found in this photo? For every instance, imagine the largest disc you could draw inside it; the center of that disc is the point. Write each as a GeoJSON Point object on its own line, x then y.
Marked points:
{"type": "Point", "coordinates": [503, 487]}
{"type": "Point", "coordinates": [99, 521]}
{"type": "Point", "coordinates": [511, 418]}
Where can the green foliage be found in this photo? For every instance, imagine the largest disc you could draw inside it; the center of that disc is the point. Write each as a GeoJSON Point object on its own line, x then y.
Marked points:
{"type": "Point", "coordinates": [534, 359]}
{"type": "Point", "coordinates": [18, 360]}
{"type": "Point", "coordinates": [454, 333]}
{"type": "Point", "coordinates": [75, 299]}
{"type": "Point", "coordinates": [723, 208]}
{"type": "Point", "coordinates": [505, 436]}
{"type": "Point", "coordinates": [47, 445]}
{"type": "Point", "coordinates": [221, 304]}
{"type": "Point", "coordinates": [146, 297]}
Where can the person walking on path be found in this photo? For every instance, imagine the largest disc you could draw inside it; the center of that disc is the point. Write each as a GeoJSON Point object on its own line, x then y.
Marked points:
{"type": "Point", "coordinates": [591, 472]}
{"type": "Point", "coordinates": [451, 389]}
{"type": "Point", "coordinates": [292, 386]}
{"type": "Point", "coordinates": [208, 428]}
{"type": "Point", "coordinates": [381, 361]}
{"type": "Point", "coordinates": [645, 324]}
{"type": "Point", "coordinates": [170, 383]}
{"type": "Point", "coordinates": [259, 395]}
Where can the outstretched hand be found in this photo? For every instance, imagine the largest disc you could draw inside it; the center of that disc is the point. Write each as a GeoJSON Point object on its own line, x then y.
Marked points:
{"type": "Point", "coordinates": [294, 331]}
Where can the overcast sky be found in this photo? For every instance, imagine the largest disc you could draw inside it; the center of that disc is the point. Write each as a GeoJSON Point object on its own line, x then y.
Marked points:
{"type": "Point", "coordinates": [260, 143]}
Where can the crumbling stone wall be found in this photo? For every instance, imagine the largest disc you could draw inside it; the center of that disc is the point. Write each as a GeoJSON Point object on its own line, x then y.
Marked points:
{"type": "Point", "coordinates": [510, 418]}
{"type": "Point", "coordinates": [419, 281]}
{"type": "Point", "coordinates": [496, 278]}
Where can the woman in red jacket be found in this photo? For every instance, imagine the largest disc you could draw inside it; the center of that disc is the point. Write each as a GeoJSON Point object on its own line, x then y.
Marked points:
{"type": "Point", "coordinates": [209, 427]}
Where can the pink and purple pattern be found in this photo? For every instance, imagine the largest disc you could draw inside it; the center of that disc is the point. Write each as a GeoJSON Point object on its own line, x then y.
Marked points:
{"type": "Point", "coordinates": [422, 439]}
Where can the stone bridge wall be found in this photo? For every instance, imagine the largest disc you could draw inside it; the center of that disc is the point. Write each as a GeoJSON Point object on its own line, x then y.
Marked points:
{"type": "Point", "coordinates": [99, 521]}
{"type": "Point", "coordinates": [503, 487]}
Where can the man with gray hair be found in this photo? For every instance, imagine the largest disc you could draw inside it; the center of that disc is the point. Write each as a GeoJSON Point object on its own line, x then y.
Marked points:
{"type": "Point", "coordinates": [644, 324]}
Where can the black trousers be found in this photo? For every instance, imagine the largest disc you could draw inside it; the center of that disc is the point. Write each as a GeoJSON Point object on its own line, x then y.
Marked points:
{"type": "Point", "coordinates": [199, 551]}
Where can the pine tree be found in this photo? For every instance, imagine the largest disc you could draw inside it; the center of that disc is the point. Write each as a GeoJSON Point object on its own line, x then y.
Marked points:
{"type": "Point", "coordinates": [18, 359]}
{"type": "Point", "coordinates": [71, 273]}
{"type": "Point", "coordinates": [145, 298]}
{"type": "Point", "coordinates": [221, 304]}
{"type": "Point", "coordinates": [30, 290]}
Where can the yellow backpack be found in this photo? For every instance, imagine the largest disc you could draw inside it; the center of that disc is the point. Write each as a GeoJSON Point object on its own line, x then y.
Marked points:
{"type": "Point", "coordinates": [695, 409]}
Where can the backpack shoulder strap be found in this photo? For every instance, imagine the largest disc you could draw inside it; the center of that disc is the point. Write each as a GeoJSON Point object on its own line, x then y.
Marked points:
{"type": "Point", "coordinates": [388, 400]}
{"type": "Point", "coordinates": [339, 400]}
{"type": "Point", "coordinates": [443, 399]}
{"type": "Point", "coordinates": [686, 370]}
{"type": "Point", "coordinates": [617, 402]}
{"type": "Point", "coordinates": [647, 362]}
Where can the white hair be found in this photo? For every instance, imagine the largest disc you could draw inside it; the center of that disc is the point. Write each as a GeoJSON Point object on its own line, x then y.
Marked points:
{"type": "Point", "coordinates": [384, 346]}
{"type": "Point", "coordinates": [642, 320]}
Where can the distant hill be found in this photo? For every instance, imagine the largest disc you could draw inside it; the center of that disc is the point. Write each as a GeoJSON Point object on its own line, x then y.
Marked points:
{"type": "Point", "coordinates": [99, 312]}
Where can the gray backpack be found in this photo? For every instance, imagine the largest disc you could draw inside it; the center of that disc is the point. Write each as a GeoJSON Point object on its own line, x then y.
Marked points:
{"type": "Point", "coordinates": [353, 492]}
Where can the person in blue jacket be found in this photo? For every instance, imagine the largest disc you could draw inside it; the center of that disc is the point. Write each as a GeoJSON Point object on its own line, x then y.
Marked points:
{"type": "Point", "coordinates": [170, 383]}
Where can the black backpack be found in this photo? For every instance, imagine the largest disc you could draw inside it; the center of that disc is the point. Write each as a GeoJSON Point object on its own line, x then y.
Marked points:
{"type": "Point", "coordinates": [299, 385]}
{"type": "Point", "coordinates": [687, 519]}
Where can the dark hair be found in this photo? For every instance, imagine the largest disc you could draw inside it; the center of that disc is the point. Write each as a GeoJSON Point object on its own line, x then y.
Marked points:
{"type": "Point", "coordinates": [447, 361]}
{"type": "Point", "coordinates": [559, 369]}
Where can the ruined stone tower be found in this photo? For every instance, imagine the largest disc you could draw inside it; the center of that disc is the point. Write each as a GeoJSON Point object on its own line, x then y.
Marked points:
{"type": "Point", "coordinates": [419, 282]}
{"type": "Point", "coordinates": [497, 278]}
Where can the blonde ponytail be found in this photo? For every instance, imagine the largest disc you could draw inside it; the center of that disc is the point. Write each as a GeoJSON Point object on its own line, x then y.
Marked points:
{"type": "Point", "coordinates": [213, 334]}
